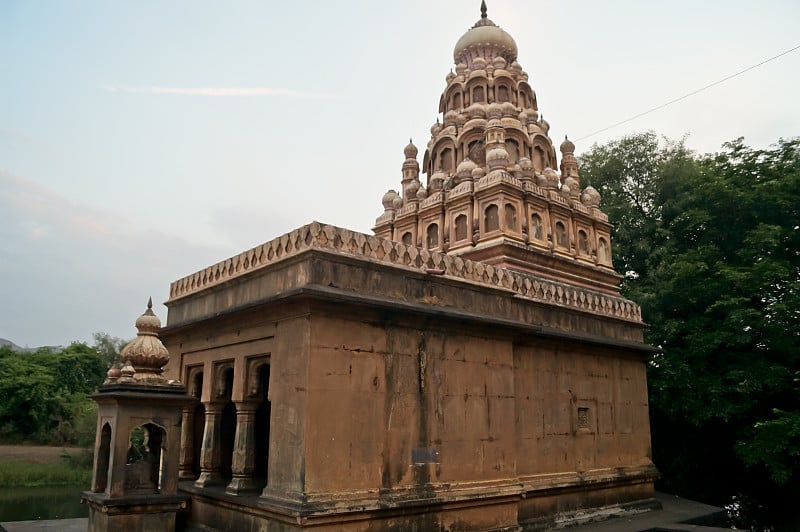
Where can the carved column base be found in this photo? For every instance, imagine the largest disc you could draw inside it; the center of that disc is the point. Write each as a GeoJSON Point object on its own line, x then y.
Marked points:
{"type": "Point", "coordinates": [208, 478]}
{"type": "Point", "coordinates": [187, 474]}
{"type": "Point", "coordinates": [242, 485]}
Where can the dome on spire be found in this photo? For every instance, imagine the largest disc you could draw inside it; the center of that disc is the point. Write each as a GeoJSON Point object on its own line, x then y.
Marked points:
{"type": "Point", "coordinates": [485, 39]}
{"type": "Point", "coordinates": [544, 124]}
{"type": "Point", "coordinates": [465, 167]}
{"type": "Point", "coordinates": [590, 197]}
{"type": "Point", "coordinates": [145, 353]}
{"type": "Point", "coordinates": [410, 150]}
{"type": "Point", "coordinates": [388, 199]}
{"type": "Point", "coordinates": [567, 146]}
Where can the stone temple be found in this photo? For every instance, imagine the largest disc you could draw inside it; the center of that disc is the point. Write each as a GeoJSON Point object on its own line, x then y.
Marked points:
{"type": "Point", "coordinates": [471, 366]}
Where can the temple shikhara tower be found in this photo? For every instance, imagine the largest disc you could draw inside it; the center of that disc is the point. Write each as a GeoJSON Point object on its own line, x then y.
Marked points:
{"type": "Point", "coordinates": [491, 192]}
{"type": "Point", "coordinates": [470, 366]}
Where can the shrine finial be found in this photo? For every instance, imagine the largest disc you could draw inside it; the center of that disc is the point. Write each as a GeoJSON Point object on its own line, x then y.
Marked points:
{"type": "Point", "coordinates": [483, 8]}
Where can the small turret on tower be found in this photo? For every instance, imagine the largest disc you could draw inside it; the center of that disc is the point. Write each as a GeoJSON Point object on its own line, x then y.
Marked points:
{"type": "Point", "coordinates": [410, 171]}
{"type": "Point", "coordinates": [569, 164]}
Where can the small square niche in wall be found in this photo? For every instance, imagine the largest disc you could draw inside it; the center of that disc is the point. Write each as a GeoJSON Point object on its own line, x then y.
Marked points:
{"type": "Point", "coordinates": [583, 418]}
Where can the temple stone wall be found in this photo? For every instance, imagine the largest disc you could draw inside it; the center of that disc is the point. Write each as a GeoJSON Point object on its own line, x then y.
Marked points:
{"type": "Point", "coordinates": [581, 409]}
{"type": "Point", "coordinates": [395, 389]}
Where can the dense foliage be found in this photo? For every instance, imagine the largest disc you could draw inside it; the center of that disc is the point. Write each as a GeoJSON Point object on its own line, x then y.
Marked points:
{"type": "Point", "coordinates": [710, 247]}
{"type": "Point", "coordinates": [44, 395]}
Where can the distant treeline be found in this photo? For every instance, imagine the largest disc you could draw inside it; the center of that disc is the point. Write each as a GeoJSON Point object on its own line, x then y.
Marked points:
{"type": "Point", "coordinates": [44, 394]}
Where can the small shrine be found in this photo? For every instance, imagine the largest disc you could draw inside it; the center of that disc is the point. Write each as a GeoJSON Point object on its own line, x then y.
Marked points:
{"type": "Point", "coordinates": [135, 478]}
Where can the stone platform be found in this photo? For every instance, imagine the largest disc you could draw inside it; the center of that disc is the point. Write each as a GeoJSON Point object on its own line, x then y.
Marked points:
{"type": "Point", "coordinates": [79, 524]}
{"type": "Point", "coordinates": [677, 515]}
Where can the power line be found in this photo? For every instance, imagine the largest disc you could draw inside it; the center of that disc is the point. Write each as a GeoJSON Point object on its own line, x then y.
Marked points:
{"type": "Point", "coordinates": [701, 89]}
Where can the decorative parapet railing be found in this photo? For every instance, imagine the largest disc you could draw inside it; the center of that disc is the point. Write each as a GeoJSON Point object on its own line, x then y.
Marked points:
{"type": "Point", "coordinates": [494, 177]}
{"type": "Point", "coordinates": [351, 243]}
{"type": "Point", "coordinates": [409, 208]}
{"type": "Point", "coordinates": [434, 199]}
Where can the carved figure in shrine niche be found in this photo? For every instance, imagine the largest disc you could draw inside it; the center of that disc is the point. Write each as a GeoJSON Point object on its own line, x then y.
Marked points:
{"type": "Point", "coordinates": [561, 235]}
{"type": "Point", "coordinates": [602, 251]}
{"type": "Point", "coordinates": [461, 227]}
{"type": "Point", "coordinates": [432, 240]}
{"type": "Point", "coordinates": [491, 218]}
{"type": "Point", "coordinates": [536, 227]}
{"type": "Point", "coordinates": [583, 243]}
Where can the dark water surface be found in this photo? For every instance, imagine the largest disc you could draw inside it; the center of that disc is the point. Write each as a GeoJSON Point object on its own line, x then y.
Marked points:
{"type": "Point", "coordinates": [43, 502]}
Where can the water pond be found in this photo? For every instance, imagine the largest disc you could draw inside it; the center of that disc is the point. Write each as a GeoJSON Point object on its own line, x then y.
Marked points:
{"type": "Point", "coordinates": [42, 502]}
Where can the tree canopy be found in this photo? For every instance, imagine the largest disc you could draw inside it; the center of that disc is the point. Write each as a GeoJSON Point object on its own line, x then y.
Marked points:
{"type": "Point", "coordinates": [44, 395]}
{"type": "Point", "coordinates": [710, 247]}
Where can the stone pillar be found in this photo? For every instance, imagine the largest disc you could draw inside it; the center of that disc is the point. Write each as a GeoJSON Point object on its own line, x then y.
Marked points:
{"type": "Point", "coordinates": [210, 455]}
{"type": "Point", "coordinates": [185, 471]}
{"type": "Point", "coordinates": [244, 449]}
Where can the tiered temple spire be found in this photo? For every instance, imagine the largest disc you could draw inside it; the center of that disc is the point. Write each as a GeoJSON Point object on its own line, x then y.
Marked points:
{"type": "Point", "coordinates": [491, 191]}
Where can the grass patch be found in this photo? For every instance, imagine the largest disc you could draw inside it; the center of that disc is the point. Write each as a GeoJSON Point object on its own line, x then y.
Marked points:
{"type": "Point", "coordinates": [16, 474]}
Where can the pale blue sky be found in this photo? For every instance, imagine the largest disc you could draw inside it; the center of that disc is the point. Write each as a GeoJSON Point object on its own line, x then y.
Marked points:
{"type": "Point", "coordinates": [112, 184]}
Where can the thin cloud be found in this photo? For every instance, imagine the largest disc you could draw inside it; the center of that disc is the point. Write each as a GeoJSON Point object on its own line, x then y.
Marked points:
{"type": "Point", "coordinates": [80, 269]}
{"type": "Point", "coordinates": [219, 91]}
{"type": "Point", "coordinates": [44, 210]}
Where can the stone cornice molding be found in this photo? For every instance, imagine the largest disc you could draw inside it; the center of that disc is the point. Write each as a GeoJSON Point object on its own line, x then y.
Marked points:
{"type": "Point", "coordinates": [332, 239]}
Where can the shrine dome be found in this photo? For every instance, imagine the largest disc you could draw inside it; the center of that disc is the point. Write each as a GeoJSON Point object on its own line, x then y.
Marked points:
{"type": "Point", "coordinates": [485, 39]}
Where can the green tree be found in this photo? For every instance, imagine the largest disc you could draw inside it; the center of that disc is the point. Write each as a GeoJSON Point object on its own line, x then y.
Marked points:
{"type": "Point", "coordinates": [639, 178]}
{"type": "Point", "coordinates": [27, 402]}
{"type": "Point", "coordinates": [107, 346]}
{"type": "Point", "coordinates": [710, 246]}
{"type": "Point", "coordinates": [44, 394]}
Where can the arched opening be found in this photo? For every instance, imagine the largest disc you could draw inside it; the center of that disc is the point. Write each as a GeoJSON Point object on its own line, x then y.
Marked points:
{"type": "Point", "coordinates": [502, 94]}
{"type": "Point", "coordinates": [262, 424]}
{"type": "Point", "coordinates": [513, 151]}
{"type": "Point", "coordinates": [583, 243]}
{"type": "Point", "coordinates": [199, 422]}
{"type": "Point", "coordinates": [539, 159]}
{"type": "Point", "coordinates": [432, 237]}
{"type": "Point", "coordinates": [478, 95]}
{"type": "Point", "coordinates": [446, 160]}
{"type": "Point", "coordinates": [143, 465]}
{"type": "Point", "coordinates": [457, 100]}
{"type": "Point", "coordinates": [491, 218]}
{"type": "Point", "coordinates": [461, 227]}
{"type": "Point", "coordinates": [407, 238]}
{"type": "Point", "coordinates": [561, 235]}
{"type": "Point", "coordinates": [103, 460]}
{"type": "Point", "coordinates": [477, 152]}
{"type": "Point", "coordinates": [228, 425]}
{"type": "Point", "coordinates": [511, 217]}
{"type": "Point", "coordinates": [602, 251]}
{"type": "Point", "coordinates": [537, 232]}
